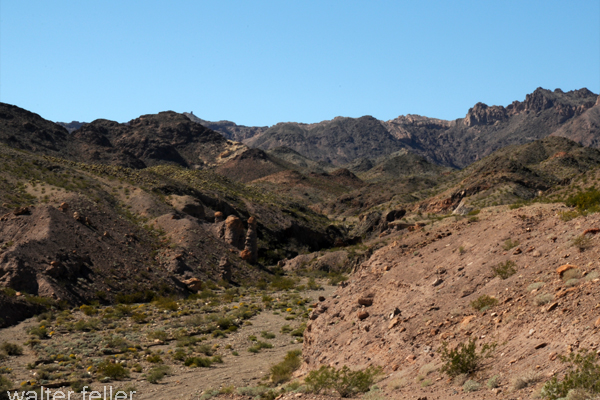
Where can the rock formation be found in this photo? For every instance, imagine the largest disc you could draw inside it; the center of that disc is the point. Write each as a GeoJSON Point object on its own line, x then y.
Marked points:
{"type": "Point", "coordinates": [234, 232]}
{"type": "Point", "coordinates": [250, 252]}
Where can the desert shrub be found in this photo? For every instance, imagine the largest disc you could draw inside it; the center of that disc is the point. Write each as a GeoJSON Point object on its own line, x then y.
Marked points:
{"type": "Point", "coordinates": [259, 346]}
{"type": "Point", "coordinates": [267, 335]}
{"type": "Point", "coordinates": [484, 302]}
{"type": "Point", "coordinates": [139, 317]}
{"type": "Point", "coordinates": [205, 349]}
{"type": "Point", "coordinates": [464, 359]}
{"type": "Point", "coordinates": [525, 380]}
{"type": "Point", "coordinates": [11, 349]}
{"type": "Point", "coordinates": [471, 386]}
{"type": "Point", "coordinates": [542, 298]}
{"type": "Point", "coordinates": [312, 284]}
{"type": "Point", "coordinates": [582, 243]}
{"type": "Point", "coordinates": [534, 286]}
{"type": "Point", "coordinates": [77, 386]}
{"type": "Point", "coordinates": [39, 331]}
{"type": "Point", "coordinates": [299, 331]}
{"type": "Point", "coordinates": [178, 355]}
{"type": "Point", "coordinates": [157, 373]}
{"type": "Point", "coordinates": [566, 216]}
{"type": "Point", "coordinates": [344, 381]}
{"type": "Point", "coordinates": [154, 359]}
{"type": "Point", "coordinates": [88, 310]}
{"type": "Point", "coordinates": [217, 359]}
{"type": "Point", "coordinates": [493, 382]}
{"type": "Point", "coordinates": [425, 370]}
{"type": "Point", "coordinates": [112, 370]}
{"type": "Point", "coordinates": [509, 244]}
{"type": "Point", "coordinates": [336, 277]}
{"type": "Point", "coordinates": [591, 276]}
{"type": "Point", "coordinates": [166, 303]}
{"type": "Point", "coordinates": [195, 362]}
{"type": "Point", "coordinates": [282, 372]}
{"type": "Point", "coordinates": [572, 282]}
{"type": "Point", "coordinates": [583, 373]}
{"type": "Point", "coordinates": [283, 283]}
{"type": "Point", "coordinates": [588, 201]}
{"type": "Point", "coordinates": [571, 274]}
{"type": "Point", "coordinates": [5, 384]}
{"type": "Point", "coordinates": [286, 329]}
{"type": "Point", "coordinates": [158, 334]}
{"type": "Point", "coordinates": [505, 270]}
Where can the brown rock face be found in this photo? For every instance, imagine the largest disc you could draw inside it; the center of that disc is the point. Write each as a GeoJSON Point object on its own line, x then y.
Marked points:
{"type": "Point", "coordinates": [234, 232]}
{"type": "Point", "coordinates": [193, 284]}
{"type": "Point", "coordinates": [251, 244]}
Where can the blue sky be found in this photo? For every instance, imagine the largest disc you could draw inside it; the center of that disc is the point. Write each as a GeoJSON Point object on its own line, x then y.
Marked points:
{"type": "Point", "coordinates": [263, 62]}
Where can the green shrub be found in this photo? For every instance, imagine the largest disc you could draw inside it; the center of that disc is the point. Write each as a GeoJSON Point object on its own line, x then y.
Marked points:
{"type": "Point", "coordinates": [299, 331]}
{"type": "Point", "coordinates": [471, 386]}
{"type": "Point", "coordinates": [505, 270]}
{"type": "Point", "coordinates": [509, 244]}
{"type": "Point", "coordinates": [154, 359]}
{"type": "Point", "coordinates": [283, 283]}
{"type": "Point", "coordinates": [259, 346]}
{"type": "Point", "coordinates": [344, 381]}
{"type": "Point", "coordinates": [157, 373]}
{"type": "Point", "coordinates": [484, 302]}
{"type": "Point", "coordinates": [582, 243]}
{"type": "Point", "coordinates": [267, 335]}
{"type": "Point", "coordinates": [195, 362]}
{"type": "Point", "coordinates": [464, 359]}
{"type": "Point", "coordinates": [5, 384]}
{"type": "Point", "coordinates": [77, 386]}
{"type": "Point", "coordinates": [542, 298]}
{"type": "Point", "coordinates": [158, 334]}
{"type": "Point", "coordinates": [583, 373]}
{"type": "Point", "coordinates": [588, 201]}
{"type": "Point", "coordinates": [525, 380]}
{"type": "Point", "coordinates": [282, 372]}
{"type": "Point", "coordinates": [88, 310]}
{"type": "Point", "coordinates": [112, 370]}
{"type": "Point", "coordinates": [493, 382]}
{"type": "Point", "coordinates": [11, 349]}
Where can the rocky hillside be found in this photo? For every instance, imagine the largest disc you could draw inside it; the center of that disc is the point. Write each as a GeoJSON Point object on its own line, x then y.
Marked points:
{"type": "Point", "coordinates": [524, 281]}
{"type": "Point", "coordinates": [458, 143]}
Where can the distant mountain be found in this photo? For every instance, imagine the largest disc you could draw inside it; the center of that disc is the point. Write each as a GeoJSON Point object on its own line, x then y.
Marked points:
{"type": "Point", "coordinates": [483, 130]}
{"type": "Point", "coordinates": [71, 126]}
{"type": "Point", "coordinates": [337, 142]}
{"type": "Point", "coordinates": [229, 129]}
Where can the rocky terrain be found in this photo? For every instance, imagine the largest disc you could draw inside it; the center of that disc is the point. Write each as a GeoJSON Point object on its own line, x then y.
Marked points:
{"type": "Point", "coordinates": [179, 257]}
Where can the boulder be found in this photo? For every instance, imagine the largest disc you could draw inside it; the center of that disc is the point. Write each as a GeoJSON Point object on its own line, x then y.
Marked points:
{"type": "Point", "coordinates": [193, 284]}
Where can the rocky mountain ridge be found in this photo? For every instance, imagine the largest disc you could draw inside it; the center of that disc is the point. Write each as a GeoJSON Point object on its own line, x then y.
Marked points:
{"type": "Point", "coordinates": [456, 144]}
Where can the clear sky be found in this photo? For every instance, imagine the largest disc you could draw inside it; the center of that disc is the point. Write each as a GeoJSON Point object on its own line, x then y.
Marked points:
{"type": "Point", "coordinates": [263, 62]}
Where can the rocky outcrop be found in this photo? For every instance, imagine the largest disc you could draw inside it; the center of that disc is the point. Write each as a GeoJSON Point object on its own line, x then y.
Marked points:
{"type": "Point", "coordinates": [482, 114]}
{"type": "Point", "coordinates": [233, 232]}
{"type": "Point", "coordinates": [188, 205]}
{"type": "Point", "coordinates": [250, 252]}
